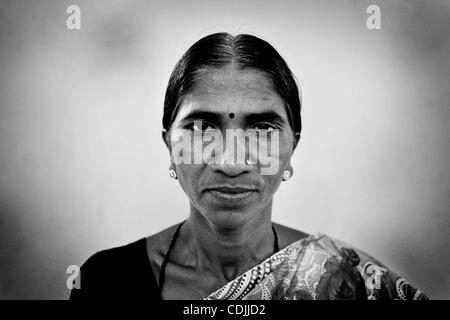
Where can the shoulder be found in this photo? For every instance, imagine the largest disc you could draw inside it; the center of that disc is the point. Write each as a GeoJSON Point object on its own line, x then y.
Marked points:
{"type": "Point", "coordinates": [116, 257]}
{"type": "Point", "coordinates": [379, 281]}
{"type": "Point", "coordinates": [112, 272]}
{"type": "Point", "coordinates": [115, 263]}
{"type": "Point", "coordinates": [287, 235]}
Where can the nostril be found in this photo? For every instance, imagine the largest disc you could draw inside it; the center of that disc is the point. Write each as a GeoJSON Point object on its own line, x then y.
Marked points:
{"type": "Point", "coordinates": [231, 170]}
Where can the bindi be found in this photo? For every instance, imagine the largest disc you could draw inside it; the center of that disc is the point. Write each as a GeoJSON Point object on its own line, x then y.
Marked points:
{"type": "Point", "coordinates": [231, 115]}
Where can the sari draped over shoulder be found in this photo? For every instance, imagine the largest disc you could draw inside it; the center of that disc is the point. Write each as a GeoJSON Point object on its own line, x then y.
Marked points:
{"type": "Point", "coordinates": [318, 268]}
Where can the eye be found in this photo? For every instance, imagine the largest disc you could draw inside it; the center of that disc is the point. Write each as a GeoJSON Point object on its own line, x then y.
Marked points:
{"type": "Point", "coordinates": [265, 128]}
{"type": "Point", "coordinates": [199, 126]}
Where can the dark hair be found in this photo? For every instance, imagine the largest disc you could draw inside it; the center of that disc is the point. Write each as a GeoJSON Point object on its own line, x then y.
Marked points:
{"type": "Point", "coordinates": [246, 51]}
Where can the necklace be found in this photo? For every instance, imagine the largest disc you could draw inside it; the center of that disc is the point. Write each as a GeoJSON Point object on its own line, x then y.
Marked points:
{"type": "Point", "coordinates": [162, 272]}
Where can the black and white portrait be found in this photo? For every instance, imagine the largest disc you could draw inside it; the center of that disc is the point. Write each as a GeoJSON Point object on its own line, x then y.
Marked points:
{"type": "Point", "coordinates": [224, 150]}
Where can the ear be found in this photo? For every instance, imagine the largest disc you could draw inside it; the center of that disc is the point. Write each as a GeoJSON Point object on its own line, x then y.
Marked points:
{"type": "Point", "coordinates": [165, 137]}
{"type": "Point", "coordinates": [290, 168]}
{"type": "Point", "coordinates": [296, 140]}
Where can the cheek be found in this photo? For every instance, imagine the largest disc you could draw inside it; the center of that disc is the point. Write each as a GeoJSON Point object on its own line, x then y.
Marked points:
{"type": "Point", "coordinates": [285, 159]}
{"type": "Point", "coordinates": [285, 151]}
{"type": "Point", "coordinates": [284, 156]}
{"type": "Point", "coordinates": [271, 184]}
{"type": "Point", "coordinates": [188, 175]}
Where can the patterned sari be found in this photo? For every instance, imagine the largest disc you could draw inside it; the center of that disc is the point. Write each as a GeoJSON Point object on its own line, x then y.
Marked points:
{"type": "Point", "coordinates": [318, 268]}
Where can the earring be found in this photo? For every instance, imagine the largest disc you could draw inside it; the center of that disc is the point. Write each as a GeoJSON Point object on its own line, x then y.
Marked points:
{"type": "Point", "coordinates": [172, 174]}
{"type": "Point", "coordinates": [286, 175]}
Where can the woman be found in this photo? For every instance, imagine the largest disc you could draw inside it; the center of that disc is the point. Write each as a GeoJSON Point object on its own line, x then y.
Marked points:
{"type": "Point", "coordinates": [228, 247]}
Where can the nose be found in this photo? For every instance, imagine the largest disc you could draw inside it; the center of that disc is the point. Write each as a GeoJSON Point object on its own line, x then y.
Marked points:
{"type": "Point", "coordinates": [231, 161]}
{"type": "Point", "coordinates": [231, 170]}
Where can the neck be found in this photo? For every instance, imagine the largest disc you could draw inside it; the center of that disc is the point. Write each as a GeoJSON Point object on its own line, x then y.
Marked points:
{"type": "Point", "coordinates": [230, 250]}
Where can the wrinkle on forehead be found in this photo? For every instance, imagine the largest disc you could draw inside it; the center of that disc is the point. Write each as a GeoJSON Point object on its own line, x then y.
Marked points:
{"type": "Point", "coordinates": [228, 90]}
{"type": "Point", "coordinates": [231, 80]}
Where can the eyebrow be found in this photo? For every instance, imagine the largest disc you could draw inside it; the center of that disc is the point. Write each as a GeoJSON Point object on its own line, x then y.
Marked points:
{"type": "Point", "coordinates": [202, 115]}
{"type": "Point", "coordinates": [250, 118]}
{"type": "Point", "coordinates": [265, 116]}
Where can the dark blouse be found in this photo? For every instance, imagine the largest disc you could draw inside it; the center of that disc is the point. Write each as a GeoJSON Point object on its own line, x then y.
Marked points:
{"type": "Point", "coordinates": [118, 273]}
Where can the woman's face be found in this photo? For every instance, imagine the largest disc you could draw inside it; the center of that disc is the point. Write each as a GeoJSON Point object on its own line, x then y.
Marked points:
{"type": "Point", "coordinates": [229, 194]}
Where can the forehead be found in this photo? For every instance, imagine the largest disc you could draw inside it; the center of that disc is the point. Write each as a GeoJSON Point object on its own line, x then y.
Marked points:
{"type": "Point", "coordinates": [228, 90]}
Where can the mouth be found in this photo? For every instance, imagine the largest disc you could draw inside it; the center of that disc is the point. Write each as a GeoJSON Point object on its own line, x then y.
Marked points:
{"type": "Point", "coordinates": [231, 193]}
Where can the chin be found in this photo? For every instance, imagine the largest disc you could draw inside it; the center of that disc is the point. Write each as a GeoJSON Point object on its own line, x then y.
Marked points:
{"type": "Point", "coordinates": [229, 219]}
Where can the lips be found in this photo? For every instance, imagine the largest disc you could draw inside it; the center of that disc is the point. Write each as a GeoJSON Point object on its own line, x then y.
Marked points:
{"type": "Point", "coordinates": [230, 189]}
{"type": "Point", "coordinates": [229, 193]}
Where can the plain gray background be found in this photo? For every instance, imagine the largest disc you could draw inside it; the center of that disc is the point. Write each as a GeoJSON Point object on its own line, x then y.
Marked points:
{"type": "Point", "coordinates": [83, 167]}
